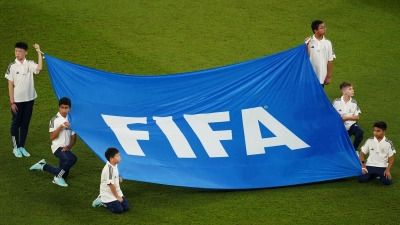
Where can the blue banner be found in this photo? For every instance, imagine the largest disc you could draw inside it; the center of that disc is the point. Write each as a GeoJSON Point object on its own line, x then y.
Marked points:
{"type": "Point", "coordinates": [262, 123]}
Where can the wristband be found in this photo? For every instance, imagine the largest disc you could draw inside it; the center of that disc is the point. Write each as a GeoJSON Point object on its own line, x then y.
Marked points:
{"type": "Point", "coordinates": [328, 76]}
{"type": "Point", "coordinates": [69, 146]}
{"type": "Point", "coordinates": [12, 103]}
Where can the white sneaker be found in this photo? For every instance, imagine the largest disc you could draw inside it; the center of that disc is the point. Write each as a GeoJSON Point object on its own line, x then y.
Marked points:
{"type": "Point", "coordinates": [97, 202]}
{"type": "Point", "coordinates": [24, 152]}
{"type": "Point", "coordinates": [17, 152]}
{"type": "Point", "coordinates": [39, 165]}
{"type": "Point", "coordinates": [60, 181]}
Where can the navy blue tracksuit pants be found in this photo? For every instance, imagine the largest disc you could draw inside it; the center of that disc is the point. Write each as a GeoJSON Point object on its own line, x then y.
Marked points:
{"type": "Point", "coordinates": [358, 133]}
{"type": "Point", "coordinates": [20, 123]}
{"type": "Point", "coordinates": [374, 172]}
{"type": "Point", "coordinates": [67, 160]}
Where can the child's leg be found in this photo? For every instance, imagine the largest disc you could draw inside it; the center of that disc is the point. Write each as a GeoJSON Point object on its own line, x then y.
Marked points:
{"type": "Point", "coordinates": [15, 124]}
{"type": "Point", "coordinates": [364, 178]}
{"type": "Point", "coordinates": [383, 179]}
{"type": "Point", "coordinates": [125, 204]}
{"type": "Point", "coordinates": [62, 162]}
{"type": "Point", "coordinates": [26, 119]}
{"type": "Point", "coordinates": [51, 169]}
{"type": "Point", "coordinates": [358, 136]}
{"type": "Point", "coordinates": [374, 172]}
{"type": "Point", "coordinates": [368, 176]}
{"type": "Point", "coordinates": [115, 207]}
{"type": "Point", "coordinates": [67, 160]}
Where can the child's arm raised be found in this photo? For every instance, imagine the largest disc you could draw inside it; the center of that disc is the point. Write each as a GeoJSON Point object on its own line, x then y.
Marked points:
{"type": "Point", "coordinates": [54, 134]}
{"type": "Point", "coordinates": [40, 60]}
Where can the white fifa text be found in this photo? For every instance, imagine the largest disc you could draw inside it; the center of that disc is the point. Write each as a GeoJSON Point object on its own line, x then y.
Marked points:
{"type": "Point", "coordinates": [209, 138]}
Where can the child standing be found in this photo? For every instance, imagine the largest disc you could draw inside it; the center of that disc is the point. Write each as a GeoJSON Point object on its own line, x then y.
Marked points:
{"type": "Point", "coordinates": [63, 138]}
{"type": "Point", "coordinates": [110, 192]}
{"type": "Point", "coordinates": [381, 156]}
{"type": "Point", "coordinates": [22, 94]}
{"type": "Point", "coordinates": [321, 52]}
{"type": "Point", "coordinates": [348, 108]}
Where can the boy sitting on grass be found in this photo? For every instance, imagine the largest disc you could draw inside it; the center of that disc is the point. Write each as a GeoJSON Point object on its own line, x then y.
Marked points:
{"type": "Point", "coordinates": [381, 156]}
{"type": "Point", "coordinates": [110, 193]}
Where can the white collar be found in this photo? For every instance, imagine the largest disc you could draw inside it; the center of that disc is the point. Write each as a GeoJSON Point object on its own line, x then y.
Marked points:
{"type": "Point", "coordinates": [323, 37]}
{"type": "Point", "coordinates": [17, 61]}
{"type": "Point", "coordinates": [108, 163]}
{"type": "Point", "coordinates": [376, 140]}
{"type": "Point", "coordinates": [344, 101]}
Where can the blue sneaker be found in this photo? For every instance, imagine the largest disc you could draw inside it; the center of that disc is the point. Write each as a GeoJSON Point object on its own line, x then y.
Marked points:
{"type": "Point", "coordinates": [60, 181]}
{"type": "Point", "coordinates": [39, 165]}
{"type": "Point", "coordinates": [97, 202]}
{"type": "Point", "coordinates": [17, 152]}
{"type": "Point", "coordinates": [24, 152]}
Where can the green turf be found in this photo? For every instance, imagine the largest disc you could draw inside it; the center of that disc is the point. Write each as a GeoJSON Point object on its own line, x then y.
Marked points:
{"type": "Point", "coordinates": [163, 37]}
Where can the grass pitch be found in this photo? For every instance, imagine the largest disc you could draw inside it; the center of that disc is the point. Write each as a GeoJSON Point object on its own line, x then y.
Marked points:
{"type": "Point", "coordinates": [162, 37]}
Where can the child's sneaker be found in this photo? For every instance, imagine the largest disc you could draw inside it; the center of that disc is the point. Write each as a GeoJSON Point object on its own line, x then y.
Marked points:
{"type": "Point", "coordinates": [17, 152]}
{"type": "Point", "coordinates": [97, 202]}
{"type": "Point", "coordinates": [60, 181]}
{"type": "Point", "coordinates": [24, 152]}
{"type": "Point", "coordinates": [39, 165]}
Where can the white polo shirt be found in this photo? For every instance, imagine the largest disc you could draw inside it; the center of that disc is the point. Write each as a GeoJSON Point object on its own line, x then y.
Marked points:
{"type": "Point", "coordinates": [379, 152]}
{"type": "Point", "coordinates": [321, 51]}
{"type": "Point", "coordinates": [64, 138]}
{"type": "Point", "coordinates": [22, 76]}
{"type": "Point", "coordinates": [109, 175]}
{"type": "Point", "coordinates": [349, 108]}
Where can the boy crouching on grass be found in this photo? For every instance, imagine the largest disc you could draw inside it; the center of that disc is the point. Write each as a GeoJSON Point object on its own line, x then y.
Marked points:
{"type": "Point", "coordinates": [63, 138]}
{"type": "Point", "coordinates": [110, 193]}
{"type": "Point", "coordinates": [381, 156]}
{"type": "Point", "coordinates": [348, 108]}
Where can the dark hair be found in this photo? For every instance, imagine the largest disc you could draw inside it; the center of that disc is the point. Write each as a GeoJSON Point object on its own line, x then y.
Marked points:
{"type": "Point", "coordinates": [22, 45]}
{"type": "Point", "coordinates": [315, 24]}
{"type": "Point", "coordinates": [64, 101]}
{"type": "Point", "coordinates": [380, 124]}
{"type": "Point", "coordinates": [110, 153]}
{"type": "Point", "coordinates": [344, 84]}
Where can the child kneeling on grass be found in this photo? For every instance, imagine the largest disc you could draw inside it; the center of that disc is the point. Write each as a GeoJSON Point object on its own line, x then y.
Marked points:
{"type": "Point", "coordinates": [381, 156]}
{"type": "Point", "coordinates": [111, 195]}
{"type": "Point", "coordinates": [63, 138]}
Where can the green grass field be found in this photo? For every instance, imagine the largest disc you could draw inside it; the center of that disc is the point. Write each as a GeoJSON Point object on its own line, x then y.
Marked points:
{"type": "Point", "coordinates": [162, 37]}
